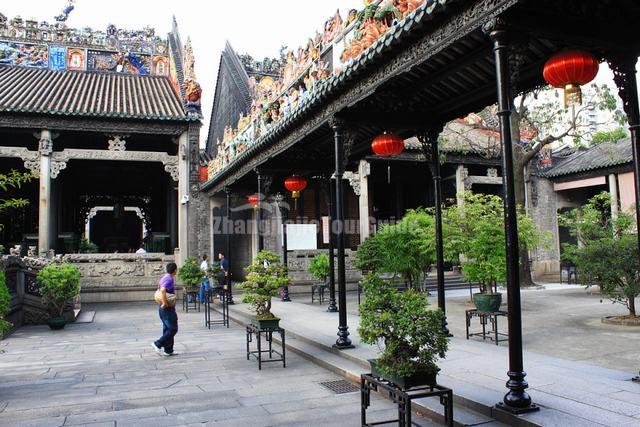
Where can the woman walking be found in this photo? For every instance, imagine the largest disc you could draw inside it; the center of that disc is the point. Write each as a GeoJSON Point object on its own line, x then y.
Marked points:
{"type": "Point", "coordinates": [167, 311]}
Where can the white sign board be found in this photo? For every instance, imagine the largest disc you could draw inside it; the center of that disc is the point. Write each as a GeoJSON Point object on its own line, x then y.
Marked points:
{"type": "Point", "coordinates": [302, 237]}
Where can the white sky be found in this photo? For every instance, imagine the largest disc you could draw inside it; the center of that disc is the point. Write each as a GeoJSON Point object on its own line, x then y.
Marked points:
{"type": "Point", "coordinates": [257, 27]}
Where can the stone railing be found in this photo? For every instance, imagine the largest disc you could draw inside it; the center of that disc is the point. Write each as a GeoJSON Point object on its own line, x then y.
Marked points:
{"type": "Point", "coordinates": [119, 277]}
{"type": "Point", "coordinates": [26, 301]}
{"type": "Point", "coordinates": [298, 262]}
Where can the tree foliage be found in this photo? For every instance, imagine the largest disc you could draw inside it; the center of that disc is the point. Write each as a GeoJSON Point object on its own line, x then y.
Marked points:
{"type": "Point", "coordinates": [190, 273]}
{"type": "Point", "coordinates": [59, 283]}
{"type": "Point", "coordinates": [610, 136]}
{"type": "Point", "coordinates": [607, 251]}
{"type": "Point", "coordinates": [411, 332]}
{"type": "Point", "coordinates": [406, 249]}
{"type": "Point", "coordinates": [5, 304]}
{"type": "Point", "coordinates": [319, 267]}
{"type": "Point", "coordinates": [87, 247]}
{"type": "Point", "coordinates": [265, 277]}
{"type": "Point", "coordinates": [13, 179]}
{"type": "Point", "coordinates": [476, 230]}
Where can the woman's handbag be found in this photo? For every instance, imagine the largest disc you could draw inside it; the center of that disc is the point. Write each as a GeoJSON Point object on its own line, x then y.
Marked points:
{"type": "Point", "coordinates": [171, 298]}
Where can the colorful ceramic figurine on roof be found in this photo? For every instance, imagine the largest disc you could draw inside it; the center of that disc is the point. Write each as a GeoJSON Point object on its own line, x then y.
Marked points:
{"type": "Point", "coordinates": [332, 28]}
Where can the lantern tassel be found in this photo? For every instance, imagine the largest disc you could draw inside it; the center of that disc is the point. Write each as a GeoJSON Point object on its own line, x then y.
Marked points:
{"type": "Point", "coordinates": [388, 173]}
{"type": "Point", "coordinates": [572, 95]}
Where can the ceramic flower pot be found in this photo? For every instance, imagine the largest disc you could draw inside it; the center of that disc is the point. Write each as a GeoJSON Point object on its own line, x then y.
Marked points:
{"type": "Point", "coordinates": [57, 323]}
{"type": "Point", "coordinates": [487, 303]}
{"type": "Point", "coordinates": [272, 323]}
{"type": "Point", "coordinates": [404, 383]}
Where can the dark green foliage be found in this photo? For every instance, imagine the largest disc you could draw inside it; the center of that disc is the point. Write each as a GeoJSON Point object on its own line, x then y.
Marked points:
{"type": "Point", "coordinates": [190, 273]}
{"type": "Point", "coordinates": [13, 179]}
{"type": "Point", "coordinates": [319, 267]}
{"type": "Point", "coordinates": [611, 136]}
{"type": "Point", "coordinates": [411, 333]}
{"type": "Point", "coordinates": [5, 300]}
{"type": "Point", "coordinates": [87, 247]}
{"type": "Point", "coordinates": [607, 253]}
{"type": "Point", "coordinates": [265, 277]}
{"type": "Point", "coordinates": [476, 230]}
{"type": "Point", "coordinates": [59, 283]}
{"type": "Point", "coordinates": [406, 249]}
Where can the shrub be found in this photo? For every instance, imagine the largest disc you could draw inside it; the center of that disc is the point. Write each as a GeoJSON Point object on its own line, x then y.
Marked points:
{"type": "Point", "coordinates": [190, 273]}
{"type": "Point", "coordinates": [5, 304]}
{"type": "Point", "coordinates": [412, 333]}
{"type": "Point", "coordinates": [59, 283]}
{"type": "Point", "coordinates": [607, 255]}
{"type": "Point", "coordinates": [265, 276]}
{"type": "Point", "coordinates": [319, 267]}
{"type": "Point", "coordinates": [87, 247]}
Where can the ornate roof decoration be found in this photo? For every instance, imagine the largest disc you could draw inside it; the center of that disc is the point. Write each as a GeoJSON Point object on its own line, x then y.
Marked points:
{"type": "Point", "coordinates": [312, 70]}
{"type": "Point", "coordinates": [75, 93]}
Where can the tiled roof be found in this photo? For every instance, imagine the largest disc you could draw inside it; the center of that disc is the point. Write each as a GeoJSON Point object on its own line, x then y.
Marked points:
{"type": "Point", "coordinates": [460, 138]}
{"type": "Point", "coordinates": [89, 94]}
{"type": "Point", "coordinates": [601, 156]}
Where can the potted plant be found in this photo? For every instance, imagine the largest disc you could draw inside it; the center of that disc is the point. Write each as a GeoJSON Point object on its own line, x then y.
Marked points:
{"type": "Point", "coordinates": [87, 247]}
{"type": "Point", "coordinates": [5, 305]}
{"type": "Point", "coordinates": [191, 275]}
{"type": "Point", "coordinates": [265, 276]}
{"type": "Point", "coordinates": [319, 267]}
{"type": "Point", "coordinates": [59, 283]}
{"type": "Point", "coordinates": [476, 230]}
{"type": "Point", "coordinates": [410, 331]}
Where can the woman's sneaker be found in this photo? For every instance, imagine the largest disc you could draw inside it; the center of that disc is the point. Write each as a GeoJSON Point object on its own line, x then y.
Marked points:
{"type": "Point", "coordinates": [156, 348]}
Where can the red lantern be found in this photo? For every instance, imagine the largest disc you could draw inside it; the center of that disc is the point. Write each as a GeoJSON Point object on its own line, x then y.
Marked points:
{"type": "Point", "coordinates": [387, 145]}
{"type": "Point", "coordinates": [253, 200]}
{"type": "Point", "coordinates": [569, 70]}
{"type": "Point", "coordinates": [204, 173]}
{"type": "Point", "coordinates": [295, 184]}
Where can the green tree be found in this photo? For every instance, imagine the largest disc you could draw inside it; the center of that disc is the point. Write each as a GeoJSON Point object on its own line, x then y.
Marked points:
{"type": "Point", "coordinates": [406, 249]}
{"type": "Point", "coordinates": [607, 252]}
{"type": "Point", "coordinates": [190, 273]}
{"type": "Point", "coordinates": [611, 136]}
{"type": "Point", "coordinates": [265, 277]}
{"type": "Point", "coordinates": [411, 332]}
{"type": "Point", "coordinates": [59, 283]}
{"type": "Point", "coordinates": [541, 115]}
{"type": "Point", "coordinates": [5, 304]}
{"type": "Point", "coordinates": [476, 230]}
{"type": "Point", "coordinates": [16, 180]}
{"type": "Point", "coordinates": [319, 267]}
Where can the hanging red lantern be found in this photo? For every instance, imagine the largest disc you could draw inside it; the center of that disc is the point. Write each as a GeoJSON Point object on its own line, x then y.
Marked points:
{"type": "Point", "coordinates": [569, 70]}
{"type": "Point", "coordinates": [204, 173]}
{"type": "Point", "coordinates": [295, 184]}
{"type": "Point", "coordinates": [253, 200]}
{"type": "Point", "coordinates": [387, 145]}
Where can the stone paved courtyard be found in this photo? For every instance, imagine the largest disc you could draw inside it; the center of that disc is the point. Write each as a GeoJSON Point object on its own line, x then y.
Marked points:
{"type": "Point", "coordinates": [106, 373]}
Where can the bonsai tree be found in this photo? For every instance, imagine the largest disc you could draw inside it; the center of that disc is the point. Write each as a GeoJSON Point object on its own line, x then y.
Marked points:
{"type": "Point", "coordinates": [406, 249]}
{"type": "Point", "coordinates": [319, 267]}
{"type": "Point", "coordinates": [607, 253]}
{"type": "Point", "coordinates": [265, 276]}
{"type": "Point", "coordinates": [59, 283]}
{"type": "Point", "coordinates": [215, 272]}
{"type": "Point", "coordinates": [5, 304]}
{"type": "Point", "coordinates": [411, 332]}
{"type": "Point", "coordinates": [190, 274]}
{"type": "Point", "coordinates": [476, 230]}
{"type": "Point", "coordinates": [87, 247]}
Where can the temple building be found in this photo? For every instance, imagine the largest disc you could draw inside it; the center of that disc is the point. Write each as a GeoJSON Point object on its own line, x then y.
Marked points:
{"type": "Point", "coordinates": [108, 122]}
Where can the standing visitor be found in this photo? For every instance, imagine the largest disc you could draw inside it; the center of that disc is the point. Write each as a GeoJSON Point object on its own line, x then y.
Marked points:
{"type": "Point", "coordinates": [204, 286]}
{"type": "Point", "coordinates": [141, 249]}
{"type": "Point", "coordinates": [167, 312]}
{"type": "Point", "coordinates": [224, 266]}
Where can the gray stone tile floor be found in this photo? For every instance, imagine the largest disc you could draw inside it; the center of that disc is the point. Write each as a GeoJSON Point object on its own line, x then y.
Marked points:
{"type": "Point", "coordinates": [106, 373]}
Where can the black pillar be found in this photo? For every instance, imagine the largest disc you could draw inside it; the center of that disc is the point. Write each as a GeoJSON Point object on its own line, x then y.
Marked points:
{"type": "Point", "coordinates": [228, 280]}
{"type": "Point", "coordinates": [285, 261]}
{"type": "Point", "coordinates": [259, 219]}
{"type": "Point", "coordinates": [429, 140]}
{"type": "Point", "coordinates": [343, 340]}
{"type": "Point", "coordinates": [624, 75]}
{"type": "Point", "coordinates": [332, 275]}
{"type": "Point", "coordinates": [517, 400]}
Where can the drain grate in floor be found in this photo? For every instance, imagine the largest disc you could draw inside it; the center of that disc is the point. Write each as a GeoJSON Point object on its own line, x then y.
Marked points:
{"type": "Point", "coordinates": [340, 386]}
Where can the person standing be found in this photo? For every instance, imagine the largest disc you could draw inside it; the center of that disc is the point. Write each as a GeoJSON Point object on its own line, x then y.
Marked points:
{"type": "Point", "coordinates": [204, 286]}
{"type": "Point", "coordinates": [167, 312]}
{"type": "Point", "coordinates": [224, 266]}
{"type": "Point", "coordinates": [141, 249]}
